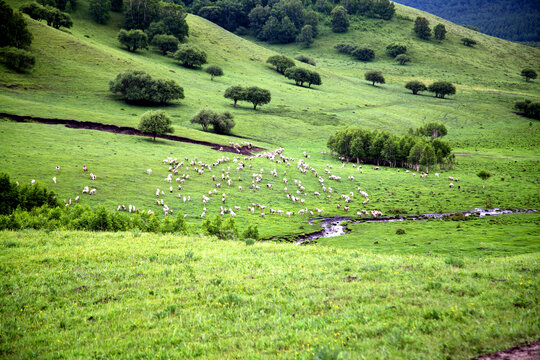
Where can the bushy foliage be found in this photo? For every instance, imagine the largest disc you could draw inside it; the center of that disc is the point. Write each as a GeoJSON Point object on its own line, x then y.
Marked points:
{"type": "Point", "coordinates": [374, 77]}
{"type": "Point", "coordinates": [340, 20]}
{"type": "Point", "coordinates": [252, 232]}
{"type": "Point", "coordinates": [432, 129]}
{"type": "Point", "coordinates": [421, 28]}
{"type": "Point", "coordinates": [468, 42]}
{"type": "Point", "coordinates": [254, 95]}
{"type": "Point", "coordinates": [214, 70]}
{"type": "Point", "coordinates": [306, 59]}
{"type": "Point", "coordinates": [235, 93]}
{"type": "Point", "coordinates": [528, 108]}
{"type": "Point", "coordinates": [416, 86]}
{"type": "Point", "coordinates": [221, 123]}
{"type": "Point", "coordinates": [219, 228]}
{"type": "Point", "coordinates": [281, 62]}
{"type": "Point", "coordinates": [190, 56]}
{"type": "Point", "coordinates": [394, 50]}
{"type": "Point", "coordinates": [439, 32]}
{"type": "Point", "coordinates": [442, 88]}
{"type": "Point", "coordinates": [13, 29]}
{"type": "Point", "coordinates": [100, 10]}
{"type": "Point", "coordinates": [384, 148]}
{"type": "Point", "coordinates": [53, 16]}
{"type": "Point", "coordinates": [306, 36]}
{"type": "Point", "coordinates": [529, 74]}
{"type": "Point", "coordinates": [156, 123]}
{"type": "Point", "coordinates": [133, 39]}
{"type": "Point", "coordinates": [165, 43]}
{"type": "Point", "coordinates": [301, 76]}
{"type": "Point", "coordinates": [138, 86]}
{"type": "Point", "coordinates": [402, 59]}
{"type": "Point", "coordinates": [359, 53]}
{"type": "Point", "coordinates": [26, 197]}
{"type": "Point", "coordinates": [17, 59]}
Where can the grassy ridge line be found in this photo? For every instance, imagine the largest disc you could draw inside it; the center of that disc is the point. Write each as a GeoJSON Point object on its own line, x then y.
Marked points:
{"type": "Point", "coordinates": [130, 295]}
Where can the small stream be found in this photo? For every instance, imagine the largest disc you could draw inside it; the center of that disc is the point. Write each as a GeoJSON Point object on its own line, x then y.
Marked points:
{"type": "Point", "coordinates": [334, 226]}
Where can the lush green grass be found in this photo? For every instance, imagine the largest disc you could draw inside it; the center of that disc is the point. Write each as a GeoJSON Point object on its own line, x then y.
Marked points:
{"type": "Point", "coordinates": [130, 295]}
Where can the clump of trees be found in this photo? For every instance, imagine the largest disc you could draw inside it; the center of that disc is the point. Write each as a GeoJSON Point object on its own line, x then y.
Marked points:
{"type": "Point", "coordinates": [442, 88]}
{"type": "Point", "coordinates": [528, 108]}
{"type": "Point", "coordinates": [281, 63]}
{"type": "Point", "coordinates": [374, 77]}
{"type": "Point", "coordinates": [394, 50]}
{"type": "Point", "coordinates": [529, 74]}
{"type": "Point", "coordinates": [156, 123]}
{"type": "Point", "coordinates": [214, 70]}
{"type": "Point", "coordinates": [138, 86]}
{"type": "Point", "coordinates": [434, 130]}
{"type": "Point", "coordinates": [306, 59]}
{"type": "Point", "coordinates": [190, 56]}
{"type": "Point", "coordinates": [17, 59]}
{"type": "Point", "coordinates": [359, 53]}
{"type": "Point", "coordinates": [468, 42]}
{"type": "Point", "coordinates": [306, 36]}
{"type": "Point", "coordinates": [380, 147]}
{"type": "Point", "coordinates": [13, 29]}
{"type": "Point", "coordinates": [301, 76]}
{"type": "Point", "coordinates": [133, 39]}
{"type": "Point", "coordinates": [221, 123]}
{"type": "Point", "coordinates": [157, 17]}
{"type": "Point", "coordinates": [53, 16]}
{"type": "Point", "coordinates": [254, 95]}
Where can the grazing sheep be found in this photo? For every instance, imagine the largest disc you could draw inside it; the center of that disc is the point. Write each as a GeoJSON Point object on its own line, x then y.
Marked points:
{"type": "Point", "coordinates": [85, 169]}
{"type": "Point", "coordinates": [451, 185]}
{"type": "Point", "coordinates": [86, 190]}
{"type": "Point", "coordinates": [33, 181]}
{"type": "Point", "coordinates": [149, 171]}
{"type": "Point", "coordinates": [77, 198]}
{"type": "Point", "coordinates": [92, 192]}
{"type": "Point", "coordinates": [58, 168]}
{"type": "Point", "coordinates": [54, 179]}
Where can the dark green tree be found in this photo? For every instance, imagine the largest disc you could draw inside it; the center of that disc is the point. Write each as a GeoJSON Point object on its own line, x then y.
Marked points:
{"type": "Point", "coordinates": [402, 59]}
{"type": "Point", "coordinates": [214, 70]}
{"type": "Point", "coordinates": [140, 13]}
{"type": "Point", "coordinates": [190, 56]}
{"type": "Point", "coordinates": [287, 32]}
{"type": "Point", "coordinates": [235, 93]}
{"type": "Point", "coordinates": [174, 18]}
{"type": "Point", "coordinates": [306, 36]}
{"type": "Point", "coordinates": [257, 96]}
{"type": "Point", "coordinates": [484, 175]}
{"type": "Point", "coordinates": [13, 29]}
{"type": "Point", "coordinates": [133, 39]}
{"type": "Point", "coordinates": [468, 42]}
{"type": "Point", "coordinates": [17, 59]}
{"type": "Point", "coordinates": [528, 108]}
{"type": "Point", "coordinates": [394, 50]}
{"type": "Point", "coordinates": [529, 74]}
{"type": "Point", "coordinates": [57, 18]}
{"type": "Point", "coordinates": [323, 6]}
{"type": "Point", "coordinates": [258, 16]}
{"type": "Point", "coordinates": [221, 123]}
{"type": "Point", "coordinates": [415, 86]}
{"type": "Point", "coordinates": [442, 88]}
{"type": "Point", "coordinates": [165, 43]}
{"type": "Point", "coordinates": [205, 118]}
{"type": "Point", "coordinates": [340, 20]}
{"type": "Point", "coordinates": [439, 32]}
{"type": "Point", "coordinates": [433, 129]}
{"type": "Point", "coordinates": [156, 123]}
{"type": "Point", "coordinates": [281, 62]}
{"type": "Point", "coordinates": [311, 18]}
{"type": "Point", "coordinates": [138, 86]}
{"type": "Point", "coordinates": [100, 10]}
{"type": "Point", "coordinates": [374, 77]}
{"type": "Point", "coordinates": [421, 28]}
{"type": "Point", "coordinates": [363, 54]}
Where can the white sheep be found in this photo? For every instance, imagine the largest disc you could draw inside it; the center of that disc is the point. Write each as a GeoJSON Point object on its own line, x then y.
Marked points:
{"type": "Point", "coordinates": [54, 179]}
{"type": "Point", "coordinates": [149, 171]}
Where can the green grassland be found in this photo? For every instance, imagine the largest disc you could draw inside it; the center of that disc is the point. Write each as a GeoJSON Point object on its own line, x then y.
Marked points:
{"type": "Point", "coordinates": [139, 296]}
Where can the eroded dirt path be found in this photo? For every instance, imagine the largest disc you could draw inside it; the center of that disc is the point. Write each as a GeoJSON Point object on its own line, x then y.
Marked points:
{"type": "Point", "coordinates": [521, 352]}
{"type": "Point", "coordinates": [125, 130]}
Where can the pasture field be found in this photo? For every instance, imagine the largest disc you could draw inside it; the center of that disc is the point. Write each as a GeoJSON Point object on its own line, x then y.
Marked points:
{"type": "Point", "coordinates": [134, 295]}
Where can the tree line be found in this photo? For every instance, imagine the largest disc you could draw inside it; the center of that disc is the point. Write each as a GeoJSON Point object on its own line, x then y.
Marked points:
{"type": "Point", "coordinates": [421, 148]}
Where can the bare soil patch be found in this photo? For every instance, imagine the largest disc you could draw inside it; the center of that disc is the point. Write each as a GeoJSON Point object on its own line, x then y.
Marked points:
{"type": "Point", "coordinates": [521, 352]}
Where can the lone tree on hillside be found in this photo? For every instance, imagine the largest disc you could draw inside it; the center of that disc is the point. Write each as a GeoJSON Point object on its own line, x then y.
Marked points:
{"type": "Point", "coordinates": [529, 74]}
{"type": "Point", "coordinates": [235, 93]}
{"type": "Point", "coordinates": [402, 59]}
{"type": "Point", "coordinates": [257, 96]}
{"type": "Point", "coordinates": [214, 70]}
{"type": "Point", "coordinates": [165, 43]}
{"type": "Point", "coordinates": [374, 77]}
{"type": "Point", "coordinates": [484, 175]}
{"type": "Point", "coordinates": [133, 39]}
{"type": "Point", "coordinates": [281, 63]}
{"type": "Point", "coordinates": [415, 86]}
{"type": "Point", "coordinates": [442, 88]}
{"type": "Point", "coordinates": [439, 32]}
{"type": "Point", "coordinates": [340, 20]}
{"type": "Point", "coordinates": [190, 56]}
{"type": "Point", "coordinates": [421, 28]}
{"type": "Point", "coordinates": [468, 42]}
{"type": "Point", "coordinates": [155, 123]}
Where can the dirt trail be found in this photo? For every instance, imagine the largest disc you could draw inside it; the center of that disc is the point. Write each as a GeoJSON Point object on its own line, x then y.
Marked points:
{"type": "Point", "coordinates": [125, 130]}
{"type": "Point", "coordinates": [521, 352]}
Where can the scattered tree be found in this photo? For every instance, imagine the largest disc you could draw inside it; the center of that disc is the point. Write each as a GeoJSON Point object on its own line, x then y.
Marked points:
{"type": "Point", "coordinates": [17, 59]}
{"type": "Point", "coordinates": [374, 77]}
{"type": "Point", "coordinates": [133, 39]}
{"type": "Point", "coordinates": [402, 59]}
{"type": "Point", "coordinates": [281, 62]}
{"type": "Point", "coordinates": [301, 76]}
{"type": "Point", "coordinates": [204, 118]}
{"type": "Point", "coordinates": [363, 54]}
{"type": "Point", "coordinates": [165, 43]}
{"type": "Point", "coordinates": [468, 41]}
{"type": "Point", "coordinates": [340, 20]}
{"type": "Point", "coordinates": [156, 123]}
{"type": "Point", "coordinates": [257, 96]}
{"type": "Point", "coordinates": [138, 86]}
{"type": "Point", "coordinates": [190, 56]}
{"type": "Point", "coordinates": [442, 88]}
{"type": "Point", "coordinates": [421, 28]}
{"type": "Point", "coordinates": [235, 93]}
{"type": "Point", "coordinates": [439, 32]}
{"type": "Point", "coordinates": [484, 175]}
{"type": "Point", "coordinates": [415, 86]}
{"type": "Point", "coordinates": [221, 123]}
{"type": "Point", "coordinates": [394, 50]}
{"type": "Point", "coordinates": [306, 59]}
{"type": "Point", "coordinates": [306, 36]}
{"type": "Point", "coordinates": [528, 108]}
{"type": "Point", "coordinates": [214, 70]}
{"type": "Point", "coordinates": [529, 74]}
{"type": "Point", "coordinates": [13, 29]}
{"type": "Point", "coordinates": [99, 10]}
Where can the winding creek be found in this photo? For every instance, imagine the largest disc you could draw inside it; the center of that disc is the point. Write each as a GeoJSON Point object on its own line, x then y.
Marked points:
{"type": "Point", "coordinates": [335, 226]}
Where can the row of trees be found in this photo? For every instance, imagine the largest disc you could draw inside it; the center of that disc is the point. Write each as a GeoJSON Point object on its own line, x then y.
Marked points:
{"type": "Point", "coordinates": [380, 147]}
{"type": "Point", "coordinates": [439, 88]}
{"type": "Point", "coordinates": [254, 95]}
{"type": "Point", "coordinates": [140, 87]}
{"type": "Point", "coordinates": [53, 16]}
{"type": "Point", "coordinates": [221, 123]}
{"type": "Point", "coordinates": [423, 30]}
{"type": "Point", "coordinates": [288, 68]}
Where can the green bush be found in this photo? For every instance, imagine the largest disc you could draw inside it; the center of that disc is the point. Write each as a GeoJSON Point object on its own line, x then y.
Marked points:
{"type": "Point", "coordinates": [394, 50]}
{"type": "Point", "coordinates": [17, 59]}
{"type": "Point", "coordinates": [138, 86]}
{"type": "Point", "coordinates": [190, 56]}
{"type": "Point", "coordinates": [252, 232]}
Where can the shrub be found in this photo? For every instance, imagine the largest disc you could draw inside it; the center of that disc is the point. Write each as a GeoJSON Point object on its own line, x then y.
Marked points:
{"type": "Point", "coordinates": [528, 108]}
{"type": "Point", "coordinates": [138, 86]}
{"type": "Point", "coordinates": [402, 59]}
{"type": "Point", "coordinates": [17, 59]}
{"type": "Point", "coordinates": [400, 231]}
{"type": "Point", "coordinates": [421, 28]}
{"type": "Point", "coordinates": [455, 262]}
{"type": "Point", "coordinates": [439, 32]}
{"type": "Point", "coordinates": [340, 20]}
{"type": "Point", "coordinates": [252, 232]}
{"type": "Point", "coordinates": [306, 59]}
{"type": "Point", "coordinates": [165, 43]}
{"type": "Point", "coordinates": [394, 50]}
{"type": "Point", "coordinates": [190, 56]}
{"type": "Point", "coordinates": [468, 42]}
{"type": "Point", "coordinates": [281, 63]}
{"type": "Point", "coordinates": [442, 88]}
{"type": "Point", "coordinates": [214, 70]}
{"type": "Point", "coordinates": [363, 54]}
{"type": "Point", "coordinates": [250, 242]}
{"type": "Point", "coordinates": [374, 77]}
{"type": "Point", "coordinates": [415, 86]}
{"type": "Point", "coordinates": [221, 123]}
{"type": "Point", "coordinates": [155, 123]}
{"type": "Point", "coordinates": [133, 39]}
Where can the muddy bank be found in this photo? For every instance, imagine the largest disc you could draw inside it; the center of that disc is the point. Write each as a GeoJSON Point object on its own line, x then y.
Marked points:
{"type": "Point", "coordinates": [125, 130]}
{"type": "Point", "coordinates": [522, 352]}
{"type": "Point", "coordinates": [337, 226]}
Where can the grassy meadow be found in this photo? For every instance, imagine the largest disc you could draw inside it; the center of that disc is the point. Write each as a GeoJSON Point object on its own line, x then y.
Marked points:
{"type": "Point", "coordinates": [441, 290]}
